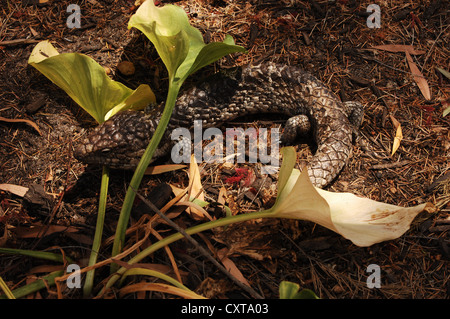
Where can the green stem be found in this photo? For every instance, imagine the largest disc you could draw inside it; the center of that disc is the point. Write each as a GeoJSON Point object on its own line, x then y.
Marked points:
{"type": "Point", "coordinates": [37, 285]}
{"type": "Point", "coordinates": [174, 88]}
{"type": "Point", "coordinates": [89, 282]}
{"type": "Point", "coordinates": [5, 288]}
{"type": "Point", "coordinates": [153, 273]}
{"type": "Point", "coordinates": [190, 231]}
{"type": "Point", "coordinates": [36, 254]}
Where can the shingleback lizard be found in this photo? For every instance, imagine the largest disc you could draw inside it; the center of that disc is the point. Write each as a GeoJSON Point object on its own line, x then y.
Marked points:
{"type": "Point", "coordinates": [263, 88]}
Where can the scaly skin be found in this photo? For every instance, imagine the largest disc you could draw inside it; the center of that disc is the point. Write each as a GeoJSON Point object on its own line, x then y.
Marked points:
{"type": "Point", "coordinates": [254, 89]}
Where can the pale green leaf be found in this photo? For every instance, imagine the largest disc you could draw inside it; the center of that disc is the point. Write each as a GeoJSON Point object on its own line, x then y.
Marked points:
{"type": "Point", "coordinates": [180, 45]}
{"type": "Point", "coordinates": [168, 29]}
{"type": "Point", "coordinates": [39, 284]}
{"type": "Point", "coordinates": [6, 290]}
{"type": "Point", "coordinates": [86, 82]}
{"type": "Point", "coordinates": [202, 54]}
{"type": "Point", "coordinates": [35, 254]}
{"type": "Point", "coordinates": [137, 100]}
{"type": "Point", "coordinates": [290, 290]}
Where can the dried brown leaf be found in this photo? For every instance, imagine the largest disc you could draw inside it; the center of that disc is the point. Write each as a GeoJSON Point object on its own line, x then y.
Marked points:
{"type": "Point", "coordinates": [222, 198]}
{"type": "Point", "coordinates": [199, 211]}
{"type": "Point", "coordinates": [169, 254]}
{"type": "Point", "coordinates": [418, 77]}
{"type": "Point", "coordinates": [195, 190]}
{"type": "Point", "coordinates": [231, 266]}
{"type": "Point", "coordinates": [398, 48]}
{"type": "Point", "coordinates": [14, 189]}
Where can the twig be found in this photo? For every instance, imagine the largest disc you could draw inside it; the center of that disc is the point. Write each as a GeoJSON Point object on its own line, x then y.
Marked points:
{"type": "Point", "coordinates": [390, 165]}
{"type": "Point", "coordinates": [202, 250]}
{"type": "Point", "coordinates": [18, 41]}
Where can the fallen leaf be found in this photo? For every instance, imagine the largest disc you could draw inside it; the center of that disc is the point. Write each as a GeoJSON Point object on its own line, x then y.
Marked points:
{"type": "Point", "coordinates": [200, 212]}
{"type": "Point", "coordinates": [230, 266]}
{"type": "Point", "coordinates": [49, 176]}
{"type": "Point", "coordinates": [180, 195]}
{"type": "Point", "coordinates": [398, 48]}
{"type": "Point", "coordinates": [398, 135]}
{"type": "Point", "coordinates": [34, 32]}
{"type": "Point", "coordinates": [397, 139]}
{"type": "Point", "coordinates": [14, 189]}
{"type": "Point", "coordinates": [221, 199]}
{"type": "Point", "coordinates": [418, 77]}
{"type": "Point", "coordinates": [395, 122]}
{"type": "Point", "coordinates": [31, 123]}
{"type": "Point", "coordinates": [195, 189]}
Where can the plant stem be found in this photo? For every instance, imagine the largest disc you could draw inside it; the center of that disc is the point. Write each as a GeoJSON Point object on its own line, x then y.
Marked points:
{"type": "Point", "coordinates": [36, 254]}
{"type": "Point", "coordinates": [44, 282]}
{"type": "Point", "coordinates": [153, 273]}
{"type": "Point", "coordinates": [89, 282]}
{"type": "Point", "coordinates": [193, 230]}
{"type": "Point", "coordinates": [5, 288]}
{"type": "Point", "coordinates": [174, 88]}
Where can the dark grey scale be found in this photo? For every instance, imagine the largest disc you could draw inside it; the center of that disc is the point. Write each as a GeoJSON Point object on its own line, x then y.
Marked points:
{"type": "Point", "coordinates": [265, 88]}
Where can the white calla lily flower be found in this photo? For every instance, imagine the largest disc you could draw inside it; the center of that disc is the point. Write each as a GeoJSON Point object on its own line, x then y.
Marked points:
{"type": "Point", "coordinates": [363, 221]}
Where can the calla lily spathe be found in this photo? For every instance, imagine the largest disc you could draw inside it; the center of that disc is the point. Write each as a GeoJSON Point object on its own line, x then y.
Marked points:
{"type": "Point", "coordinates": [363, 221]}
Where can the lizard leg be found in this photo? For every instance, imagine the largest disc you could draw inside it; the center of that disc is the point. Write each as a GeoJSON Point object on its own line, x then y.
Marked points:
{"type": "Point", "coordinates": [295, 127]}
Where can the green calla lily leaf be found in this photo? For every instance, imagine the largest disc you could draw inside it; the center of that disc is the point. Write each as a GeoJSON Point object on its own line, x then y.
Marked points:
{"type": "Point", "coordinates": [290, 290]}
{"type": "Point", "coordinates": [87, 83]}
{"type": "Point", "coordinates": [180, 45]}
{"type": "Point", "coordinates": [166, 28]}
